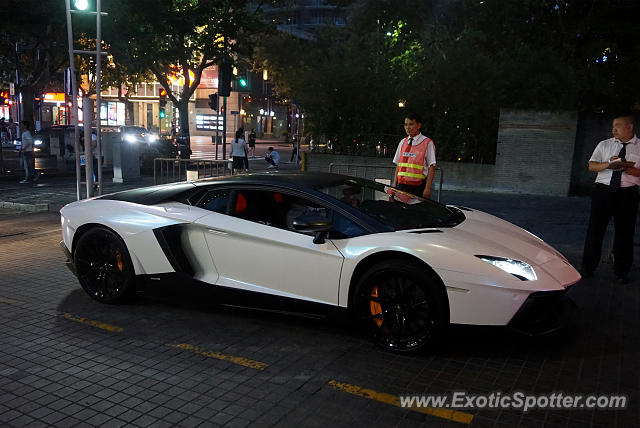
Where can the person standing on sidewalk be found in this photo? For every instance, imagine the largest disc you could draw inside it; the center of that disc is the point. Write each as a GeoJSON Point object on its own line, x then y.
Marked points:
{"type": "Point", "coordinates": [252, 142]}
{"type": "Point", "coordinates": [617, 162]}
{"type": "Point", "coordinates": [239, 152]}
{"type": "Point", "coordinates": [415, 154]}
{"type": "Point", "coordinates": [26, 152]}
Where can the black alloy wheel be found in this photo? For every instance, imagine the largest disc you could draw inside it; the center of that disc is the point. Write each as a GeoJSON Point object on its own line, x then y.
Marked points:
{"type": "Point", "coordinates": [401, 307]}
{"type": "Point", "coordinates": [103, 265]}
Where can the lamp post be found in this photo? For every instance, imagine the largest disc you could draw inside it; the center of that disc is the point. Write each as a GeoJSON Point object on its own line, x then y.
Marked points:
{"type": "Point", "coordinates": [81, 6]}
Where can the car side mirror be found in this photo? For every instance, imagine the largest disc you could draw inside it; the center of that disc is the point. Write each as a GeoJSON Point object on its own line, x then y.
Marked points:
{"type": "Point", "coordinates": [309, 223]}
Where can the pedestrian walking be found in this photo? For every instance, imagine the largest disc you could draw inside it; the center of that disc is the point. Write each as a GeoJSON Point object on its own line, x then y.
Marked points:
{"type": "Point", "coordinates": [617, 162]}
{"type": "Point", "coordinates": [272, 157]}
{"type": "Point", "coordinates": [239, 152]}
{"type": "Point", "coordinates": [26, 153]}
{"type": "Point", "coordinates": [12, 130]}
{"type": "Point", "coordinates": [4, 135]}
{"type": "Point", "coordinates": [252, 142]}
{"type": "Point", "coordinates": [415, 155]}
{"type": "Point", "coordinates": [294, 152]}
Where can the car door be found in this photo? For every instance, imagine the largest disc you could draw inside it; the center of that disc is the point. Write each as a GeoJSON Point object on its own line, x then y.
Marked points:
{"type": "Point", "coordinates": [254, 247]}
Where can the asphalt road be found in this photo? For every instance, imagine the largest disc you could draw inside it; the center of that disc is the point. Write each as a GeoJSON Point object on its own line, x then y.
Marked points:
{"type": "Point", "coordinates": [175, 357]}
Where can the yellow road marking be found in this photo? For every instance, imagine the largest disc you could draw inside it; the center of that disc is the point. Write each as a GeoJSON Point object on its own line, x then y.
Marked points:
{"type": "Point", "coordinates": [9, 301]}
{"type": "Point", "coordinates": [452, 415]}
{"type": "Point", "coordinates": [241, 361]}
{"type": "Point", "coordinates": [93, 323]}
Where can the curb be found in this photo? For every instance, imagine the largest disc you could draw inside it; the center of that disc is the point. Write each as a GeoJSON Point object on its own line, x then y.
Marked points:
{"type": "Point", "coordinates": [26, 207]}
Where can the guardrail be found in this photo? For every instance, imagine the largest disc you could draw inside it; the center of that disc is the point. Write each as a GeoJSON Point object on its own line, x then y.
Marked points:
{"type": "Point", "coordinates": [372, 172]}
{"type": "Point", "coordinates": [171, 170]}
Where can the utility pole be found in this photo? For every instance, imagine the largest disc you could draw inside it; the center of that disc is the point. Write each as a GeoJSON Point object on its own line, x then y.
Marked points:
{"type": "Point", "coordinates": [74, 99]}
{"type": "Point", "coordinates": [80, 6]}
{"type": "Point", "coordinates": [98, 93]}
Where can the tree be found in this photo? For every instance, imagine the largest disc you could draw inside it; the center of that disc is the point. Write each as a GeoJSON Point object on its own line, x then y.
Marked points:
{"type": "Point", "coordinates": [32, 43]}
{"type": "Point", "coordinates": [183, 37]}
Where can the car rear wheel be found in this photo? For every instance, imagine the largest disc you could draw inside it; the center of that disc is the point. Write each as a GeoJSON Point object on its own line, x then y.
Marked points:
{"type": "Point", "coordinates": [400, 306]}
{"type": "Point", "coordinates": [103, 265]}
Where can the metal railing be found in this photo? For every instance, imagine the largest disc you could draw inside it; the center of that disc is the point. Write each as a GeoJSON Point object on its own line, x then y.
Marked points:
{"type": "Point", "coordinates": [171, 170]}
{"type": "Point", "coordinates": [373, 172]}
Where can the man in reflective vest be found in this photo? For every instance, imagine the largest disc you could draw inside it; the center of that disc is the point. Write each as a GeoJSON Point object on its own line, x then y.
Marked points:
{"type": "Point", "coordinates": [415, 160]}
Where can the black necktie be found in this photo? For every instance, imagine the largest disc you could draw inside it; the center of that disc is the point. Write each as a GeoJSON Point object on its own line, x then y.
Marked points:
{"type": "Point", "coordinates": [411, 141]}
{"type": "Point", "coordinates": [616, 176]}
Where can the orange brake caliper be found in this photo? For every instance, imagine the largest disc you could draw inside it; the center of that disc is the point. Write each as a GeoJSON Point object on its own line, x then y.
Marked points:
{"type": "Point", "coordinates": [375, 307]}
{"type": "Point", "coordinates": [119, 261]}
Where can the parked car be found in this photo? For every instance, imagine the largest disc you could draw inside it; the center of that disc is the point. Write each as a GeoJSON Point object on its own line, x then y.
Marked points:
{"type": "Point", "coordinates": [405, 267]}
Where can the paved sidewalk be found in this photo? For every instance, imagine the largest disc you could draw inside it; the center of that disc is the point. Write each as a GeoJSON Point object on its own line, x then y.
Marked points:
{"type": "Point", "coordinates": [53, 190]}
{"type": "Point", "coordinates": [173, 357]}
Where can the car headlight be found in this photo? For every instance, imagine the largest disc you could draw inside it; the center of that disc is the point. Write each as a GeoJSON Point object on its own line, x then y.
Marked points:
{"type": "Point", "coordinates": [129, 138]}
{"type": "Point", "coordinates": [37, 142]}
{"type": "Point", "coordinates": [520, 270]}
{"type": "Point", "coordinates": [152, 138]}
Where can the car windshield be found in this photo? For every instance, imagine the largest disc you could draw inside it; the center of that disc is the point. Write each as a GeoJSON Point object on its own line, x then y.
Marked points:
{"type": "Point", "coordinates": [392, 207]}
{"type": "Point", "coordinates": [134, 130]}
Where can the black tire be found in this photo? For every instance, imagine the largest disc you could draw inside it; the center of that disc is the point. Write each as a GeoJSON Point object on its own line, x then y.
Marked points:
{"type": "Point", "coordinates": [401, 305]}
{"type": "Point", "coordinates": [104, 266]}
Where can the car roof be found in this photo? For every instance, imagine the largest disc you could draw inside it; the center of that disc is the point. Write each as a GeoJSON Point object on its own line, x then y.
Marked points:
{"type": "Point", "coordinates": [295, 180]}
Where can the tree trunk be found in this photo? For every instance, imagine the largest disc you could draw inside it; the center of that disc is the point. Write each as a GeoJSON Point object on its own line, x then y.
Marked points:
{"type": "Point", "coordinates": [183, 108]}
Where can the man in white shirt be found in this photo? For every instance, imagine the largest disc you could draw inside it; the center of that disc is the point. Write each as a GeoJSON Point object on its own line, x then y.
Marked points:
{"type": "Point", "coordinates": [26, 152]}
{"type": "Point", "coordinates": [415, 155]}
{"type": "Point", "coordinates": [617, 162]}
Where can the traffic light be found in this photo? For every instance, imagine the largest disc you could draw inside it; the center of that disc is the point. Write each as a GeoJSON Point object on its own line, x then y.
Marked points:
{"type": "Point", "coordinates": [86, 6]}
{"type": "Point", "coordinates": [213, 101]}
{"type": "Point", "coordinates": [224, 78]}
{"type": "Point", "coordinates": [163, 102]}
{"type": "Point", "coordinates": [163, 97]}
{"type": "Point", "coordinates": [80, 4]}
{"type": "Point", "coordinates": [241, 82]}
{"type": "Point", "coordinates": [4, 97]}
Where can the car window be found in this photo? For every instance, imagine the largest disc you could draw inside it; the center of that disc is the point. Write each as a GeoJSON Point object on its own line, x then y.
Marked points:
{"type": "Point", "coordinates": [272, 208]}
{"type": "Point", "coordinates": [216, 201]}
{"type": "Point", "coordinates": [391, 207]}
{"type": "Point", "coordinates": [277, 209]}
{"type": "Point", "coordinates": [344, 228]}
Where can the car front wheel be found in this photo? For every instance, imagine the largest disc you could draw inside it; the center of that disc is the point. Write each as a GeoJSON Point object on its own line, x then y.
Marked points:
{"type": "Point", "coordinates": [103, 265]}
{"type": "Point", "coordinates": [401, 306]}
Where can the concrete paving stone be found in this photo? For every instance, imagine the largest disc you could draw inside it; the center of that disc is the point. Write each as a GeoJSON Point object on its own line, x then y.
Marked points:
{"type": "Point", "coordinates": [238, 423]}
{"type": "Point", "coordinates": [175, 417]}
{"type": "Point", "coordinates": [130, 415]}
{"type": "Point", "coordinates": [145, 421]}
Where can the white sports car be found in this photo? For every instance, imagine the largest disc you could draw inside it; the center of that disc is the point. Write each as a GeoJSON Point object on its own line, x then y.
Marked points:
{"type": "Point", "coordinates": [307, 242]}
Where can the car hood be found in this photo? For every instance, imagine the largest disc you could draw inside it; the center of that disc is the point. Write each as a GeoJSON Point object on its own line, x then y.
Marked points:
{"type": "Point", "coordinates": [484, 234]}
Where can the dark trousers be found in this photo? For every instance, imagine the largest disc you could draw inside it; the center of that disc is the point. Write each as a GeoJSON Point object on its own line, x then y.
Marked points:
{"type": "Point", "coordinates": [268, 159]}
{"type": "Point", "coordinates": [414, 190]}
{"type": "Point", "coordinates": [622, 205]}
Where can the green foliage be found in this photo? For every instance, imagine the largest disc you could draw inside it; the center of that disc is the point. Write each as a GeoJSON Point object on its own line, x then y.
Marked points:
{"type": "Point", "coordinates": [42, 47]}
{"type": "Point", "coordinates": [457, 63]}
{"type": "Point", "coordinates": [188, 35]}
